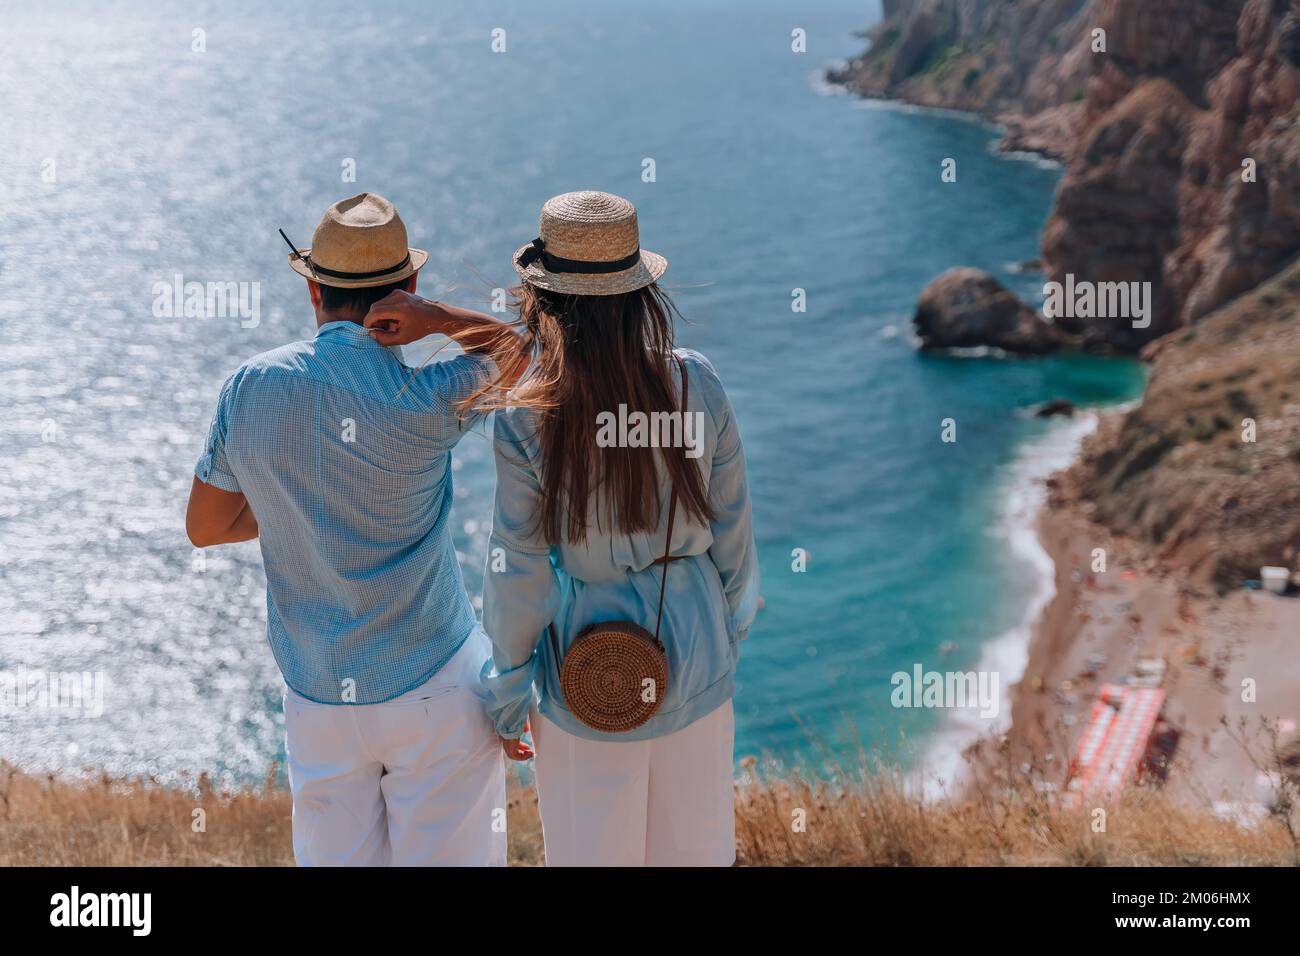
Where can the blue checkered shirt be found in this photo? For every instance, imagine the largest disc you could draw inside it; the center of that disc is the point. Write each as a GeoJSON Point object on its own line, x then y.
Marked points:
{"type": "Point", "coordinates": [351, 487]}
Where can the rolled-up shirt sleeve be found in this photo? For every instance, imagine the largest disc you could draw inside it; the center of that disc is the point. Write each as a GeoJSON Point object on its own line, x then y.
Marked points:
{"type": "Point", "coordinates": [520, 591]}
{"type": "Point", "coordinates": [733, 550]}
{"type": "Point", "coordinates": [213, 468]}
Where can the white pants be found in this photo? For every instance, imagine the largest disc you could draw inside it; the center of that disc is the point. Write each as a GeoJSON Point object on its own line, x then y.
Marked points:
{"type": "Point", "coordinates": [415, 781]}
{"type": "Point", "coordinates": [662, 802]}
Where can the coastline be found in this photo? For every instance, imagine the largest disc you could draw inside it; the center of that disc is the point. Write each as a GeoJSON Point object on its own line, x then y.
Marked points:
{"type": "Point", "coordinates": [1140, 607]}
{"type": "Point", "coordinates": [1018, 138]}
{"type": "Point", "coordinates": [954, 754]}
{"type": "Point", "coordinates": [1007, 654]}
{"type": "Point", "coordinates": [1218, 649]}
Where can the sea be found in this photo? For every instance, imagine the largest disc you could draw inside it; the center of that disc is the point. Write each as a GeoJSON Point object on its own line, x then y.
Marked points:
{"type": "Point", "coordinates": [147, 145]}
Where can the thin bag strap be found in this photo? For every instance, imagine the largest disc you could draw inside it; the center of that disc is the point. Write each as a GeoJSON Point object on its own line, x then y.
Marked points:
{"type": "Point", "coordinates": [672, 512]}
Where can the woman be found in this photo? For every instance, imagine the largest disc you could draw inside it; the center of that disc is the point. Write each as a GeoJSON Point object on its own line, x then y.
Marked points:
{"type": "Point", "coordinates": [591, 522]}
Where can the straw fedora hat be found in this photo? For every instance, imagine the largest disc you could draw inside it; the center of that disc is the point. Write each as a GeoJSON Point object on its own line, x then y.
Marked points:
{"type": "Point", "coordinates": [589, 245]}
{"type": "Point", "coordinates": [360, 242]}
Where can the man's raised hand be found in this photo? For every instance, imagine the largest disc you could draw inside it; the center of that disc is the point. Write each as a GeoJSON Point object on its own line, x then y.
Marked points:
{"type": "Point", "coordinates": [401, 318]}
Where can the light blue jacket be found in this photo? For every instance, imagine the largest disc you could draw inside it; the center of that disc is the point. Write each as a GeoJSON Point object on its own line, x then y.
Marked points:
{"type": "Point", "coordinates": [711, 599]}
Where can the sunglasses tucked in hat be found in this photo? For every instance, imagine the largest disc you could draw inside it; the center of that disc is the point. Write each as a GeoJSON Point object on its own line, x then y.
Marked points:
{"type": "Point", "coordinates": [360, 242]}
{"type": "Point", "coordinates": [589, 245]}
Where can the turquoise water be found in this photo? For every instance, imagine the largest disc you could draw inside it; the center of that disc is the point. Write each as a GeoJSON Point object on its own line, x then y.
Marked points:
{"type": "Point", "coordinates": [172, 161]}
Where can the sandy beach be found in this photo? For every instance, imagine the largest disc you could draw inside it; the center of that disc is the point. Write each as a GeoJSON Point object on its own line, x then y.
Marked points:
{"type": "Point", "coordinates": [1100, 623]}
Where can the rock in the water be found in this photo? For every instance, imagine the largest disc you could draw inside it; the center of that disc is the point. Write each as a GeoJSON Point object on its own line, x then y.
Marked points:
{"type": "Point", "coordinates": [1057, 406]}
{"type": "Point", "coordinates": [968, 308]}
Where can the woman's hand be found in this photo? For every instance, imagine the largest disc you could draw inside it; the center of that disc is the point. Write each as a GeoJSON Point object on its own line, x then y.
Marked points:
{"type": "Point", "coordinates": [517, 749]}
{"type": "Point", "coordinates": [401, 318]}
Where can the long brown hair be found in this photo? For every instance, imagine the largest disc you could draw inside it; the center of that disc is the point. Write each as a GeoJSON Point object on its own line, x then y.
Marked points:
{"type": "Point", "coordinates": [590, 354]}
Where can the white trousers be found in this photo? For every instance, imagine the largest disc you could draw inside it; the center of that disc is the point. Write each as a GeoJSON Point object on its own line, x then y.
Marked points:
{"type": "Point", "coordinates": [662, 802]}
{"type": "Point", "coordinates": [415, 781]}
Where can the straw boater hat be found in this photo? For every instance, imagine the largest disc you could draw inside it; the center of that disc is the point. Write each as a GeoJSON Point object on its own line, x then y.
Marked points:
{"type": "Point", "coordinates": [589, 245]}
{"type": "Point", "coordinates": [360, 242]}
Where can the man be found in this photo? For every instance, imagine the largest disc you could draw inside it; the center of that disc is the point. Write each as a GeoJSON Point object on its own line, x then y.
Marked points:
{"type": "Point", "coordinates": [337, 457]}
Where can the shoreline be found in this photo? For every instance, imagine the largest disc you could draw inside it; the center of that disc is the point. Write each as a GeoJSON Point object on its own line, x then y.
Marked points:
{"type": "Point", "coordinates": [1024, 496]}
{"type": "Point", "coordinates": [1021, 136]}
{"type": "Point", "coordinates": [1140, 606]}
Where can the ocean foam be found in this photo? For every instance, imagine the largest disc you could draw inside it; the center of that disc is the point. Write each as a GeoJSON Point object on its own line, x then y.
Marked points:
{"type": "Point", "coordinates": [1024, 492]}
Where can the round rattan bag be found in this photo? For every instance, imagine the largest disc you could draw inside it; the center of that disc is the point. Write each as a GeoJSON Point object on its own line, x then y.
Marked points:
{"type": "Point", "coordinates": [614, 676]}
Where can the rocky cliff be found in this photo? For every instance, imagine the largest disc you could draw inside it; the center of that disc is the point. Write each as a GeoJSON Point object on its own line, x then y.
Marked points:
{"type": "Point", "coordinates": [1177, 121]}
{"type": "Point", "coordinates": [1207, 469]}
{"type": "Point", "coordinates": [1024, 63]}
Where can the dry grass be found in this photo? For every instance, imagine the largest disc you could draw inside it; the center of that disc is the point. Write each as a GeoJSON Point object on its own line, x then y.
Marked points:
{"type": "Point", "coordinates": [48, 822]}
{"type": "Point", "coordinates": [44, 821]}
{"type": "Point", "coordinates": [877, 824]}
